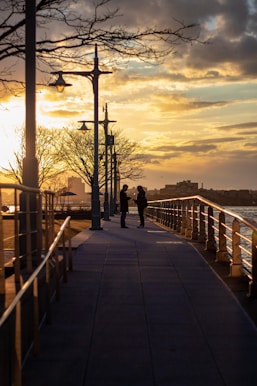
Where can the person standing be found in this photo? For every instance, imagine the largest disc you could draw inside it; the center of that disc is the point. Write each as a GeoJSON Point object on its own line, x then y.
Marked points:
{"type": "Point", "coordinates": [123, 205]}
{"type": "Point", "coordinates": [141, 202]}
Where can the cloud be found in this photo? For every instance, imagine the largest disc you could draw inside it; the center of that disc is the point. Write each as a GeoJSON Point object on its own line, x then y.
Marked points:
{"type": "Point", "coordinates": [251, 144]}
{"type": "Point", "coordinates": [194, 148]}
{"type": "Point", "coordinates": [245, 125]}
{"type": "Point", "coordinates": [63, 113]}
{"type": "Point", "coordinates": [219, 140]}
{"type": "Point", "coordinates": [198, 109]}
{"type": "Point", "coordinates": [180, 103]}
{"type": "Point", "coordinates": [195, 115]}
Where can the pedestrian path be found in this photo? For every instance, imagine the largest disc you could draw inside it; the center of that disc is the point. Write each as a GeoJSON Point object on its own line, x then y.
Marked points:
{"type": "Point", "coordinates": [143, 308]}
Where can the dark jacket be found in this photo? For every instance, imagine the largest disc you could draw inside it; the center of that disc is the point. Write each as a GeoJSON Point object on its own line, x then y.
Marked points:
{"type": "Point", "coordinates": [123, 201]}
{"type": "Point", "coordinates": [141, 200]}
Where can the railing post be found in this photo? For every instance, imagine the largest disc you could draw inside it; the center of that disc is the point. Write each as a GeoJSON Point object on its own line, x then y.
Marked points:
{"type": "Point", "coordinates": [70, 249]}
{"type": "Point", "coordinates": [149, 211]}
{"type": "Point", "coordinates": [158, 213]}
{"type": "Point", "coordinates": [210, 242]}
{"type": "Point", "coordinates": [28, 234]}
{"type": "Point", "coordinates": [179, 218]}
{"type": "Point", "coordinates": [36, 318]}
{"type": "Point", "coordinates": [2, 273]}
{"type": "Point", "coordinates": [48, 293]}
{"type": "Point", "coordinates": [222, 254]}
{"type": "Point", "coordinates": [152, 211]}
{"type": "Point", "coordinates": [175, 219]}
{"type": "Point", "coordinates": [183, 218]}
{"type": "Point", "coordinates": [57, 274]}
{"type": "Point", "coordinates": [169, 214]}
{"type": "Point", "coordinates": [202, 233]}
{"type": "Point", "coordinates": [188, 231]}
{"type": "Point", "coordinates": [155, 212]}
{"type": "Point", "coordinates": [236, 263]}
{"type": "Point", "coordinates": [173, 216]}
{"type": "Point", "coordinates": [253, 283]}
{"type": "Point", "coordinates": [18, 348]}
{"type": "Point", "coordinates": [39, 227]}
{"type": "Point", "coordinates": [16, 261]}
{"type": "Point", "coordinates": [65, 277]}
{"type": "Point", "coordinates": [194, 234]}
{"type": "Point", "coordinates": [163, 213]}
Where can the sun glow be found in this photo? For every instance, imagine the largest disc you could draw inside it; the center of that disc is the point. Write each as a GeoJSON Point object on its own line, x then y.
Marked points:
{"type": "Point", "coordinates": [12, 120]}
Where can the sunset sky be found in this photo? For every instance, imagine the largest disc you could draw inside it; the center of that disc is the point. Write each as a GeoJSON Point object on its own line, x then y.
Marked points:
{"type": "Point", "coordinates": [195, 115]}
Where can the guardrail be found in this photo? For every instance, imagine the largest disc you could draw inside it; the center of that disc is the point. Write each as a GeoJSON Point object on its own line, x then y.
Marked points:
{"type": "Point", "coordinates": [26, 215]}
{"type": "Point", "coordinates": [232, 237]}
{"type": "Point", "coordinates": [20, 323]}
{"type": "Point", "coordinates": [30, 272]}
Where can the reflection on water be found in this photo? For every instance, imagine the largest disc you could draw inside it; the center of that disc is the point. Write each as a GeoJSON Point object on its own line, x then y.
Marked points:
{"type": "Point", "coordinates": [245, 211]}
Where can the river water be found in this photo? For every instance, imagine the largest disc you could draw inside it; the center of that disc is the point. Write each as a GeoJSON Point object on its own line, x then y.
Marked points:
{"type": "Point", "coordinates": [248, 212]}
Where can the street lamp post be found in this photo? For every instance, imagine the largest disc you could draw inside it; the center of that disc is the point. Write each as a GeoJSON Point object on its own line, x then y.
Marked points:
{"type": "Point", "coordinates": [93, 76]}
{"type": "Point", "coordinates": [113, 199]}
{"type": "Point", "coordinates": [30, 162]}
{"type": "Point", "coordinates": [108, 142]}
{"type": "Point", "coordinates": [111, 184]}
{"type": "Point", "coordinates": [116, 181]}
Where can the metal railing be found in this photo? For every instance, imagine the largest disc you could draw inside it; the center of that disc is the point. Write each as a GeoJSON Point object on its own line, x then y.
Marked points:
{"type": "Point", "coordinates": [232, 237]}
{"type": "Point", "coordinates": [26, 228]}
{"type": "Point", "coordinates": [32, 263]}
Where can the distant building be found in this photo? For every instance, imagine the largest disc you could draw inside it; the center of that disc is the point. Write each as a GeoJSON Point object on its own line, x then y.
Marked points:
{"type": "Point", "coordinates": [188, 188]}
{"type": "Point", "coordinates": [76, 186]}
{"type": "Point", "coordinates": [181, 189]}
{"type": "Point", "coordinates": [229, 197]}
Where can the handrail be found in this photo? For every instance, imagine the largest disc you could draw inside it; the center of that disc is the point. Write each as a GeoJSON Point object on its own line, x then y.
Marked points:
{"type": "Point", "coordinates": [16, 350]}
{"type": "Point", "coordinates": [22, 240]}
{"type": "Point", "coordinates": [25, 188]}
{"type": "Point", "coordinates": [188, 216]}
{"type": "Point", "coordinates": [28, 247]}
{"type": "Point", "coordinates": [213, 205]}
{"type": "Point", "coordinates": [33, 276]}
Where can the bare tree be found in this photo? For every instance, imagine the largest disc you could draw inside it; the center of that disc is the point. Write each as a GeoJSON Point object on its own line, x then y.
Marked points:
{"type": "Point", "coordinates": [62, 151]}
{"type": "Point", "coordinates": [49, 167]}
{"type": "Point", "coordinates": [76, 151]}
{"type": "Point", "coordinates": [65, 31]}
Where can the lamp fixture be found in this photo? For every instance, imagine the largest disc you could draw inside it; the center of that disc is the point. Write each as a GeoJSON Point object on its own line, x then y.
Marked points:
{"type": "Point", "coordinates": [84, 127]}
{"type": "Point", "coordinates": [60, 83]}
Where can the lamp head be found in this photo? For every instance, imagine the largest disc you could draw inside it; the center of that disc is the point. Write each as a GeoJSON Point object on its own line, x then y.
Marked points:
{"type": "Point", "coordinates": [60, 83]}
{"type": "Point", "coordinates": [84, 127]}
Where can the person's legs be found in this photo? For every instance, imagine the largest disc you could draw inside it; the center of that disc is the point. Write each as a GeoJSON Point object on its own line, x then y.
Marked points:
{"type": "Point", "coordinates": [141, 216]}
{"type": "Point", "coordinates": [122, 219]}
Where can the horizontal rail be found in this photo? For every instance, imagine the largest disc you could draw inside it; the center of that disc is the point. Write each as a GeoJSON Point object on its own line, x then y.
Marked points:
{"type": "Point", "coordinates": [30, 271]}
{"type": "Point", "coordinates": [232, 237]}
{"type": "Point", "coordinates": [207, 202]}
{"type": "Point", "coordinates": [33, 276]}
{"type": "Point", "coordinates": [41, 273]}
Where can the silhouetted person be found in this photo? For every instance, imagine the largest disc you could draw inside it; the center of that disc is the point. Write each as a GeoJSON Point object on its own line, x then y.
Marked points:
{"type": "Point", "coordinates": [123, 205]}
{"type": "Point", "coordinates": [141, 202]}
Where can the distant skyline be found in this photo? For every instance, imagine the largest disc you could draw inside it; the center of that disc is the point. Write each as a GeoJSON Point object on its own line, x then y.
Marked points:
{"type": "Point", "coordinates": [200, 186]}
{"type": "Point", "coordinates": [194, 116]}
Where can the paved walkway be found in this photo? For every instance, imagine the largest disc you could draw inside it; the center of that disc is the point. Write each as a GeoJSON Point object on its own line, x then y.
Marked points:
{"type": "Point", "coordinates": [143, 308]}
